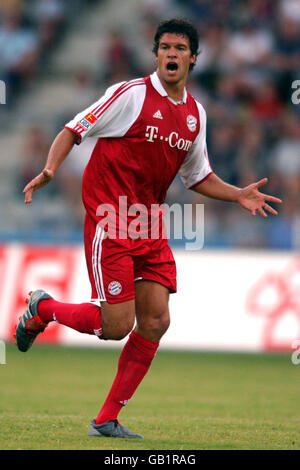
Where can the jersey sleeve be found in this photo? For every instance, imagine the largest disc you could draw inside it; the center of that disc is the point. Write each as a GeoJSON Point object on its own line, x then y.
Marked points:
{"type": "Point", "coordinates": [196, 166]}
{"type": "Point", "coordinates": [113, 114]}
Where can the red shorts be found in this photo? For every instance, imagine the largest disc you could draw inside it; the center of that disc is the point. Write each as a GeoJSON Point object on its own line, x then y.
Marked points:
{"type": "Point", "coordinates": [115, 265]}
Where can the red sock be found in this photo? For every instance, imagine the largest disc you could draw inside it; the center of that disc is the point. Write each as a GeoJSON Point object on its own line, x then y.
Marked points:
{"type": "Point", "coordinates": [85, 318]}
{"type": "Point", "coordinates": [134, 362]}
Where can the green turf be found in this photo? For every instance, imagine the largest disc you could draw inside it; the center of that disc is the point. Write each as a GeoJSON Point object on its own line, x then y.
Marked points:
{"type": "Point", "coordinates": [188, 400]}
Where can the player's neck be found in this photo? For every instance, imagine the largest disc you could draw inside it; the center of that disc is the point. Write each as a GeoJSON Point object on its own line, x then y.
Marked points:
{"type": "Point", "coordinates": [175, 90]}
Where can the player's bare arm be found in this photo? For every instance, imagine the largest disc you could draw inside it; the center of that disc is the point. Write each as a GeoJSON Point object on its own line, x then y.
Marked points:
{"type": "Point", "coordinates": [59, 150]}
{"type": "Point", "coordinates": [250, 198]}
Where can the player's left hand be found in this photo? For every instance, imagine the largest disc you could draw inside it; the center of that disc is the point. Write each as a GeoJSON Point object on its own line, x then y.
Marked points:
{"type": "Point", "coordinates": [251, 199]}
{"type": "Point", "coordinates": [38, 182]}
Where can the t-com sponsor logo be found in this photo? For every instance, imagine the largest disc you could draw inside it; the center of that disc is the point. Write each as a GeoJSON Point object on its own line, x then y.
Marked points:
{"type": "Point", "coordinates": [2, 92]}
{"type": "Point", "coordinates": [172, 139]}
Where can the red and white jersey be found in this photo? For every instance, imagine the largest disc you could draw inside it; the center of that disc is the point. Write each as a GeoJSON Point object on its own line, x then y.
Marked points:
{"type": "Point", "coordinates": [144, 140]}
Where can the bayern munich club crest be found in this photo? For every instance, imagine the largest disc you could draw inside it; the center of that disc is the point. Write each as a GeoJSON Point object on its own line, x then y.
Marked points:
{"type": "Point", "coordinates": [191, 122]}
{"type": "Point", "coordinates": [114, 288]}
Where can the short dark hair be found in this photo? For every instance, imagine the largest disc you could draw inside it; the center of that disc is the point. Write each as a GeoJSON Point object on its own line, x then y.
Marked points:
{"type": "Point", "coordinates": [178, 26]}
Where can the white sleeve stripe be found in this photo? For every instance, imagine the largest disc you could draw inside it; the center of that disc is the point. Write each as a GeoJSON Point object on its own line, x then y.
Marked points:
{"type": "Point", "coordinates": [124, 85]}
{"type": "Point", "coordinates": [103, 107]}
{"type": "Point", "coordinates": [78, 128]}
{"type": "Point", "coordinates": [99, 114]}
{"type": "Point", "coordinates": [113, 114]}
{"type": "Point", "coordinates": [95, 110]}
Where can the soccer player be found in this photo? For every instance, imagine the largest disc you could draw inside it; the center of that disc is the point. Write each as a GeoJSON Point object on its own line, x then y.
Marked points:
{"type": "Point", "coordinates": [148, 130]}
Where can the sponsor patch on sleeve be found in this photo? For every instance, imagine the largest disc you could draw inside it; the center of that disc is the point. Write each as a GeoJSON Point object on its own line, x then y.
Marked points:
{"type": "Point", "coordinates": [84, 123]}
{"type": "Point", "coordinates": [91, 118]}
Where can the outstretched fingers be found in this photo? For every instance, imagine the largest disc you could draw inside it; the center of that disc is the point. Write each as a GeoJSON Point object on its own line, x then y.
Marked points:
{"type": "Point", "coordinates": [261, 182]}
{"type": "Point", "coordinates": [262, 212]}
{"type": "Point", "coordinates": [267, 197]}
{"type": "Point", "coordinates": [28, 196]}
{"type": "Point", "coordinates": [265, 207]}
{"type": "Point", "coordinates": [270, 209]}
{"type": "Point", "coordinates": [272, 198]}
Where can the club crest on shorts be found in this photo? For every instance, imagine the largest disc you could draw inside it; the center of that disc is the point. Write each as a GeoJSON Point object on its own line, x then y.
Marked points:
{"type": "Point", "coordinates": [114, 288]}
{"type": "Point", "coordinates": [191, 122]}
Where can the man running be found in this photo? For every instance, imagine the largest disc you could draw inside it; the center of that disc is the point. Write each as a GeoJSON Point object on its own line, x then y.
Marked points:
{"type": "Point", "coordinates": [148, 130]}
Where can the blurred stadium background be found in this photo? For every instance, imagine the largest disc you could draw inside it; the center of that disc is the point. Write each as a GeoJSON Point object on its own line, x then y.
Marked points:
{"type": "Point", "coordinates": [241, 292]}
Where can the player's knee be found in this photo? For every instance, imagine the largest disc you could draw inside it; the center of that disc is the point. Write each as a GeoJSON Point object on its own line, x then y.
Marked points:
{"type": "Point", "coordinates": [121, 332]}
{"type": "Point", "coordinates": [117, 320]}
{"type": "Point", "coordinates": [164, 323]}
{"type": "Point", "coordinates": [157, 324]}
{"type": "Point", "coordinates": [117, 330]}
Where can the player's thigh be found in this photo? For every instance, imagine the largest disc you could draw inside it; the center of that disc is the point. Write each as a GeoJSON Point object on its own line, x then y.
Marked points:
{"type": "Point", "coordinates": [110, 265]}
{"type": "Point", "coordinates": [151, 309]}
{"type": "Point", "coordinates": [111, 274]}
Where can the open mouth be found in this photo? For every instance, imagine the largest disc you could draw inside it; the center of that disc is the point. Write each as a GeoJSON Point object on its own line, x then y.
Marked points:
{"type": "Point", "coordinates": [172, 66]}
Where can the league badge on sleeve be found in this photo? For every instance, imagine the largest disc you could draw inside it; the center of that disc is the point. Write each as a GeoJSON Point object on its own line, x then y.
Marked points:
{"type": "Point", "coordinates": [87, 121]}
{"type": "Point", "coordinates": [191, 122]}
{"type": "Point", "coordinates": [91, 118]}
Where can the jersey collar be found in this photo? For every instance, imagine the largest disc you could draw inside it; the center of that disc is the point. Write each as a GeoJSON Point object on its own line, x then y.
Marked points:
{"type": "Point", "coordinates": [160, 89]}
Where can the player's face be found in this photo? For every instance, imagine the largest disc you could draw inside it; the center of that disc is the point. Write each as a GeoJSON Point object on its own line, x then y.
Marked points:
{"type": "Point", "coordinates": [174, 58]}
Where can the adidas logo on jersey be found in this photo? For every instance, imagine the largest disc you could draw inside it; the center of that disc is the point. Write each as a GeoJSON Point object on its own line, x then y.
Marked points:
{"type": "Point", "coordinates": [158, 115]}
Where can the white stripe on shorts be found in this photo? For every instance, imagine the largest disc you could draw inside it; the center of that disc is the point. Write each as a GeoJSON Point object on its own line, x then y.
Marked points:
{"type": "Point", "coordinates": [96, 262]}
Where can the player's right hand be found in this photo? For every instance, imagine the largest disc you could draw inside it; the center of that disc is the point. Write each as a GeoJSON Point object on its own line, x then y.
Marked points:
{"type": "Point", "coordinates": [38, 182]}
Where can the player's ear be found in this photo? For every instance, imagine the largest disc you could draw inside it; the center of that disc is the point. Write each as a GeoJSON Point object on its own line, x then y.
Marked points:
{"type": "Point", "coordinates": [193, 59]}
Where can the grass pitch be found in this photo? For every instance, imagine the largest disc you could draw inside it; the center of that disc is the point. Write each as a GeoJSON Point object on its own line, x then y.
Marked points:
{"type": "Point", "coordinates": [188, 400]}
